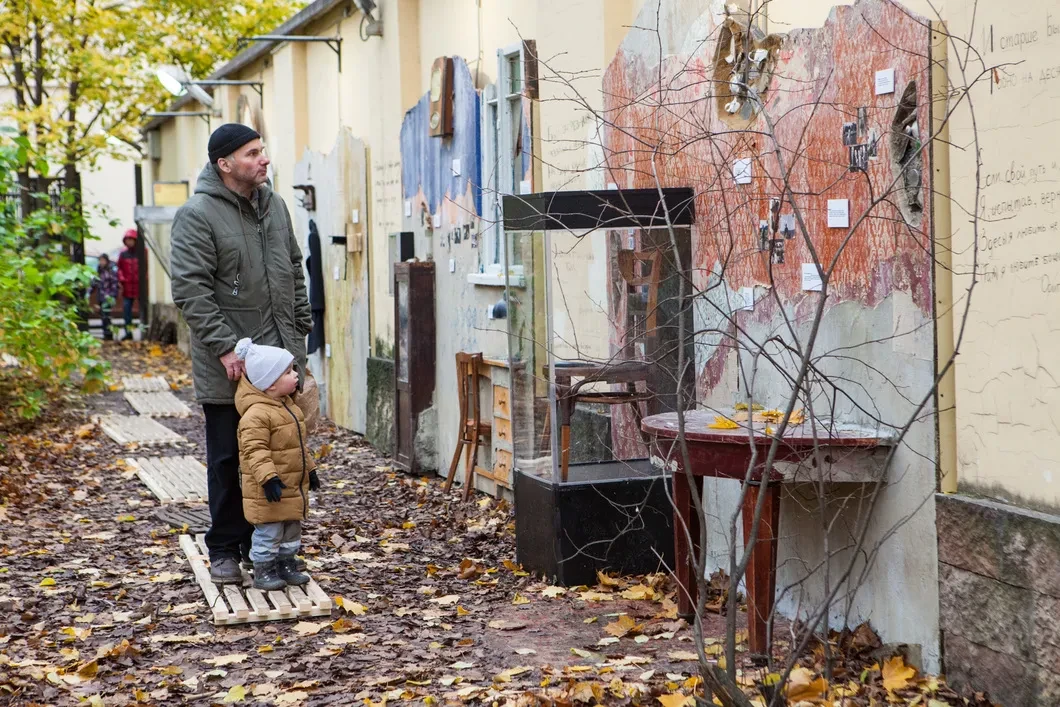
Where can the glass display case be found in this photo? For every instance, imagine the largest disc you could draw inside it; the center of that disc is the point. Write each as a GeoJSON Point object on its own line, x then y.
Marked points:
{"type": "Point", "coordinates": [594, 294]}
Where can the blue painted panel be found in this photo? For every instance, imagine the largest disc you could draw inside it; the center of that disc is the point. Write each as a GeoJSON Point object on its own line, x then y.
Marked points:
{"type": "Point", "coordinates": [427, 161]}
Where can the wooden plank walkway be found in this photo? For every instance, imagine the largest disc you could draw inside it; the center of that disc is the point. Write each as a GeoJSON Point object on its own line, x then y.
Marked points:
{"type": "Point", "coordinates": [145, 384]}
{"type": "Point", "coordinates": [172, 478]}
{"type": "Point", "coordinates": [161, 404]}
{"type": "Point", "coordinates": [230, 604]}
{"type": "Point", "coordinates": [134, 429]}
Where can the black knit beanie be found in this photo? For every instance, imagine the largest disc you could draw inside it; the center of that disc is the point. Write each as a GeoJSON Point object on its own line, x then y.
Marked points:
{"type": "Point", "coordinates": [228, 138]}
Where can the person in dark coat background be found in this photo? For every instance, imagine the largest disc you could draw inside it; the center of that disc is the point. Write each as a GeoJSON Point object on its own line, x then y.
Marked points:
{"type": "Point", "coordinates": [129, 277]}
{"type": "Point", "coordinates": [316, 289]}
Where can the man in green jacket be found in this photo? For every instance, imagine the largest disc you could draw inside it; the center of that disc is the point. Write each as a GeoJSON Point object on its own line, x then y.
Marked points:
{"type": "Point", "coordinates": [237, 272]}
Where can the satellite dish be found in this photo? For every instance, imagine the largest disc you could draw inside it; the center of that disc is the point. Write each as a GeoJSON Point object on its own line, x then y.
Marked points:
{"type": "Point", "coordinates": [170, 82]}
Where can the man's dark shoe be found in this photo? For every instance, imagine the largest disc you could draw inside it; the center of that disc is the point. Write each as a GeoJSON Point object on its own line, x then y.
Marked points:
{"type": "Point", "coordinates": [244, 558]}
{"type": "Point", "coordinates": [225, 570]}
{"type": "Point", "coordinates": [266, 576]}
{"type": "Point", "coordinates": [289, 571]}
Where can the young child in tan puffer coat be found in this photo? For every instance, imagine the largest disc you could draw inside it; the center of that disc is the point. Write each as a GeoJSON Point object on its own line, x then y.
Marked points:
{"type": "Point", "coordinates": [276, 465]}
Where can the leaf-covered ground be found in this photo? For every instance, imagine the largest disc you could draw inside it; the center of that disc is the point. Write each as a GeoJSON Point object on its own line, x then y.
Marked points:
{"type": "Point", "coordinates": [98, 604]}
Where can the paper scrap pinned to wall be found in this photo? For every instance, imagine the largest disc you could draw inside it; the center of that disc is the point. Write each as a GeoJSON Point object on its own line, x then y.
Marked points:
{"type": "Point", "coordinates": [811, 278]}
{"type": "Point", "coordinates": [838, 213]}
{"type": "Point", "coordinates": [741, 170]}
{"type": "Point", "coordinates": [408, 207]}
{"type": "Point", "coordinates": [884, 82]}
{"type": "Point", "coordinates": [747, 299]}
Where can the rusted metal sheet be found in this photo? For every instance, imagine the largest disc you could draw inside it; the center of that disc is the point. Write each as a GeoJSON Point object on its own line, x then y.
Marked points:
{"type": "Point", "coordinates": [670, 118]}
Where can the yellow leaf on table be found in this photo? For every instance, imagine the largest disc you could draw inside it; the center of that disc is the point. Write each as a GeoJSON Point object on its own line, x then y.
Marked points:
{"type": "Point", "coordinates": [519, 599]}
{"type": "Point", "coordinates": [237, 694]}
{"type": "Point", "coordinates": [553, 592]}
{"type": "Point", "coordinates": [47, 582]}
{"type": "Point", "coordinates": [623, 625]}
{"type": "Point", "coordinates": [226, 659]}
{"type": "Point", "coordinates": [606, 580]}
{"type": "Point", "coordinates": [896, 674]}
{"type": "Point", "coordinates": [802, 685]}
{"type": "Point", "coordinates": [721, 423]}
{"type": "Point", "coordinates": [676, 699]}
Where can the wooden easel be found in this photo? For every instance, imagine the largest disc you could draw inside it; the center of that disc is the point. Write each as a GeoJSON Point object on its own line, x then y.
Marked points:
{"type": "Point", "coordinates": [472, 427]}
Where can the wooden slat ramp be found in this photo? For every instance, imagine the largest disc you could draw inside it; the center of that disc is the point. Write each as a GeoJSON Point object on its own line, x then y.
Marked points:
{"type": "Point", "coordinates": [145, 384]}
{"type": "Point", "coordinates": [172, 478]}
{"type": "Point", "coordinates": [230, 604]}
{"type": "Point", "coordinates": [163, 404]}
{"type": "Point", "coordinates": [134, 429]}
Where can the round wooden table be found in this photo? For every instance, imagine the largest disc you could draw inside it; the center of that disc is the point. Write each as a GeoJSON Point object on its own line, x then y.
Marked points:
{"type": "Point", "coordinates": [727, 454]}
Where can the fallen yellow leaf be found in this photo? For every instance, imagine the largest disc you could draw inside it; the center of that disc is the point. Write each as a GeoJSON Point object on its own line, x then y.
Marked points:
{"type": "Point", "coordinates": [896, 674]}
{"type": "Point", "coordinates": [237, 694]}
{"type": "Point", "coordinates": [520, 599]}
{"type": "Point", "coordinates": [802, 685]}
{"type": "Point", "coordinates": [676, 699]}
{"type": "Point", "coordinates": [47, 582]}
{"type": "Point", "coordinates": [623, 625]}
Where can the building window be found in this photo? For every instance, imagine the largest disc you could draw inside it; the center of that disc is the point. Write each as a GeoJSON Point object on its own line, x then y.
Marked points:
{"type": "Point", "coordinates": [504, 143]}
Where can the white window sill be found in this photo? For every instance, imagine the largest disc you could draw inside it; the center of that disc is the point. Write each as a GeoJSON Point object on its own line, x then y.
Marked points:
{"type": "Point", "coordinates": [495, 278]}
{"type": "Point", "coordinates": [482, 279]}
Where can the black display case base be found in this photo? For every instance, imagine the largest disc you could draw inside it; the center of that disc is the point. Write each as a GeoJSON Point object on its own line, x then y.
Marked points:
{"type": "Point", "coordinates": [611, 516]}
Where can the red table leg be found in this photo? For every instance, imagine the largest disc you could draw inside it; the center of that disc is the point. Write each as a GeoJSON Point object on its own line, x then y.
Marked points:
{"type": "Point", "coordinates": [686, 584]}
{"type": "Point", "coordinates": [762, 569]}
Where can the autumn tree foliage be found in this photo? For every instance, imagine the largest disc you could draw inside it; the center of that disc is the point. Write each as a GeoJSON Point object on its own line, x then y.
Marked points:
{"type": "Point", "coordinates": [81, 72]}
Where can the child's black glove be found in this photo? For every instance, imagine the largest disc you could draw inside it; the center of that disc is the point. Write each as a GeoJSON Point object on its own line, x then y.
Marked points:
{"type": "Point", "coordinates": [274, 489]}
{"type": "Point", "coordinates": [314, 481]}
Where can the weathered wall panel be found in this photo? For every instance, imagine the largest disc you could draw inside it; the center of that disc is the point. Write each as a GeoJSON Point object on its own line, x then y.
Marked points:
{"type": "Point", "coordinates": [875, 339]}
{"type": "Point", "coordinates": [340, 179]}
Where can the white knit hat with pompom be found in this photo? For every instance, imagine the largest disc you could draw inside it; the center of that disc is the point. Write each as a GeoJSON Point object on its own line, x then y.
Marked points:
{"type": "Point", "coordinates": [264, 364]}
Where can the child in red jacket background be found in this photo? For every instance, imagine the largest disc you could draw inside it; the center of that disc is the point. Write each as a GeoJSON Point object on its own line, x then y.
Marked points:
{"type": "Point", "coordinates": [129, 277]}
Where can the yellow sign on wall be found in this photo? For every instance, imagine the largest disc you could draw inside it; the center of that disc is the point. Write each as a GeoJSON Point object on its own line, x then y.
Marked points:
{"type": "Point", "coordinates": [170, 193]}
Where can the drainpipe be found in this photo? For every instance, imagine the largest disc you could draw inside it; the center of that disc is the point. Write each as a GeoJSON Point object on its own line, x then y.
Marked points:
{"type": "Point", "coordinates": [942, 241]}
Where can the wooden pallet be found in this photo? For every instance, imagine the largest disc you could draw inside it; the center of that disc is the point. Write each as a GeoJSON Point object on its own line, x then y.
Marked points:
{"type": "Point", "coordinates": [231, 604]}
{"type": "Point", "coordinates": [193, 519]}
{"type": "Point", "coordinates": [172, 478]}
{"type": "Point", "coordinates": [145, 384]}
{"type": "Point", "coordinates": [163, 404]}
{"type": "Point", "coordinates": [134, 429]}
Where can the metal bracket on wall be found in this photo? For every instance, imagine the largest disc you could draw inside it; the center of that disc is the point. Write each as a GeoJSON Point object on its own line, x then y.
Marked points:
{"type": "Point", "coordinates": [257, 86]}
{"type": "Point", "coordinates": [205, 115]}
{"type": "Point", "coordinates": [334, 42]}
